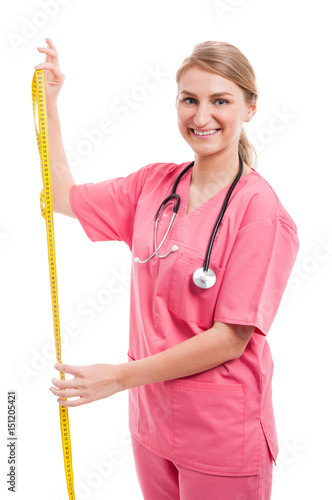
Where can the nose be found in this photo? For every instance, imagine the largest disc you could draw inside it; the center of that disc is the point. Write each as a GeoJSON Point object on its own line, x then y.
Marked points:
{"type": "Point", "coordinates": [202, 115]}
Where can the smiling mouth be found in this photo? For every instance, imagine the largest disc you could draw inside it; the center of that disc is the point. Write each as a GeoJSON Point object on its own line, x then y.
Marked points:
{"type": "Point", "coordinates": [204, 133]}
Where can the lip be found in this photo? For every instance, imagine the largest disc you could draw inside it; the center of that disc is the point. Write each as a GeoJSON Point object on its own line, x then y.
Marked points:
{"type": "Point", "coordinates": [204, 130]}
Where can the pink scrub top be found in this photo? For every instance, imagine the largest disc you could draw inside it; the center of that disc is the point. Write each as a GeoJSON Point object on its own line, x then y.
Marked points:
{"type": "Point", "coordinates": [209, 422]}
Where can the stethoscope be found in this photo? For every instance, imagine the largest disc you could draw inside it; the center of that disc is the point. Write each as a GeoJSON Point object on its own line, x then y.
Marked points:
{"type": "Point", "coordinates": [203, 277]}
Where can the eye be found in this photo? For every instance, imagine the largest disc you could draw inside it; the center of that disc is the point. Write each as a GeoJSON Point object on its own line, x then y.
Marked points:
{"type": "Point", "coordinates": [189, 100]}
{"type": "Point", "coordinates": [220, 102]}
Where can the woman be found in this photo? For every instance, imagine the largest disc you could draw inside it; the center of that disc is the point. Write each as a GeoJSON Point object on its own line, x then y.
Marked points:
{"type": "Point", "coordinates": [200, 369]}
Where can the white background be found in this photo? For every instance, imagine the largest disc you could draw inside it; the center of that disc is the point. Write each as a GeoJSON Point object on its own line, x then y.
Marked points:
{"type": "Point", "coordinates": [106, 48]}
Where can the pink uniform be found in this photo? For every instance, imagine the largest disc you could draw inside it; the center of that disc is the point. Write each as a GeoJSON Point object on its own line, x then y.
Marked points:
{"type": "Point", "coordinates": [211, 422]}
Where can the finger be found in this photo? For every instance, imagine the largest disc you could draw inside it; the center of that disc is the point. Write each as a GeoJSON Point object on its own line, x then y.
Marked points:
{"type": "Point", "coordinates": [51, 44]}
{"type": "Point", "coordinates": [51, 66]}
{"type": "Point", "coordinates": [71, 369]}
{"type": "Point", "coordinates": [65, 384]}
{"type": "Point", "coordinates": [69, 393]}
{"type": "Point", "coordinates": [72, 404]}
{"type": "Point", "coordinates": [49, 52]}
{"type": "Point", "coordinates": [57, 75]}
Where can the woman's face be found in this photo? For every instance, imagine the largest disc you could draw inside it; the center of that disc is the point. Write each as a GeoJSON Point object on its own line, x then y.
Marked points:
{"type": "Point", "coordinates": [211, 111]}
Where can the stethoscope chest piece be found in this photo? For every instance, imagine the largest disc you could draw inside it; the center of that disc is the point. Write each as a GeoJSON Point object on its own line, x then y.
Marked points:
{"type": "Point", "coordinates": [204, 279]}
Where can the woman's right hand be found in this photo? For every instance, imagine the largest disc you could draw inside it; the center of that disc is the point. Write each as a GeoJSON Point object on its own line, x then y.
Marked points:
{"type": "Point", "coordinates": [54, 78]}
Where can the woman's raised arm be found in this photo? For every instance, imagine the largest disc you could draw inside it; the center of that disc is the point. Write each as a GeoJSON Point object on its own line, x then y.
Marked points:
{"type": "Point", "coordinates": [62, 179]}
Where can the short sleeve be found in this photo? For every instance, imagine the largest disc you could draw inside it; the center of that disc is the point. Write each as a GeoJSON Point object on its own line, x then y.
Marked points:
{"type": "Point", "coordinates": [106, 210]}
{"type": "Point", "coordinates": [256, 274]}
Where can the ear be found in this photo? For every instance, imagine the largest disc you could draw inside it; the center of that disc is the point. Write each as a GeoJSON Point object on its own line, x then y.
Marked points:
{"type": "Point", "coordinates": [251, 111]}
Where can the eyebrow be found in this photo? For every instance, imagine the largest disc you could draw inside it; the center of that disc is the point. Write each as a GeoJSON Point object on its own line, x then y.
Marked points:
{"type": "Point", "coordinates": [212, 95]}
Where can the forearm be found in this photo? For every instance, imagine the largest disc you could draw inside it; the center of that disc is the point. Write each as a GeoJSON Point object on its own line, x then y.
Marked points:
{"type": "Point", "coordinates": [207, 350]}
{"type": "Point", "coordinates": [62, 179]}
{"type": "Point", "coordinates": [200, 353]}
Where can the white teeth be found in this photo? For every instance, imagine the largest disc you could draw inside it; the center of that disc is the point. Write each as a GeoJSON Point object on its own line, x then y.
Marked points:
{"type": "Point", "coordinates": [208, 132]}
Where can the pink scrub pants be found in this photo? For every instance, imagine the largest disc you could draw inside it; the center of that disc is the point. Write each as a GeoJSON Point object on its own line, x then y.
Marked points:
{"type": "Point", "coordinates": [161, 479]}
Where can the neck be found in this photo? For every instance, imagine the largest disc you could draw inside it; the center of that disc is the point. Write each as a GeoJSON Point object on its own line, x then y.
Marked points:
{"type": "Point", "coordinates": [220, 169]}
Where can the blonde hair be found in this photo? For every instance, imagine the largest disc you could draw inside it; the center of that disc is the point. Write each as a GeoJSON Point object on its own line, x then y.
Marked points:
{"type": "Point", "coordinates": [228, 61]}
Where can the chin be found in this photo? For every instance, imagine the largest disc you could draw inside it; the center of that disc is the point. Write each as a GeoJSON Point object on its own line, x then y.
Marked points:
{"type": "Point", "coordinates": [207, 151]}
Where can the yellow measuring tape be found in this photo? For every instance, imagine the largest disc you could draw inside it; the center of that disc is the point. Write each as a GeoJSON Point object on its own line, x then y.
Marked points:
{"type": "Point", "coordinates": [39, 100]}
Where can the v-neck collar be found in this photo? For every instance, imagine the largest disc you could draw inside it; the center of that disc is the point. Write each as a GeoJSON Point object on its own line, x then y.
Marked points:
{"type": "Point", "coordinates": [183, 191]}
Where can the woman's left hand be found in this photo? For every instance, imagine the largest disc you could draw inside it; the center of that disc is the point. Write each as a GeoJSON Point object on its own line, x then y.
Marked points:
{"type": "Point", "coordinates": [90, 383]}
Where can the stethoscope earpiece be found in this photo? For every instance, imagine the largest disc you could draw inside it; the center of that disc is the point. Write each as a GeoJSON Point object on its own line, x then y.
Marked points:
{"type": "Point", "coordinates": [203, 277]}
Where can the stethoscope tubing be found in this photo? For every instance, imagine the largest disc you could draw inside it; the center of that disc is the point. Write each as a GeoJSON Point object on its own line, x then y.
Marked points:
{"type": "Point", "coordinates": [221, 215]}
{"type": "Point", "coordinates": [173, 193]}
{"type": "Point", "coordinates": [203, 277]}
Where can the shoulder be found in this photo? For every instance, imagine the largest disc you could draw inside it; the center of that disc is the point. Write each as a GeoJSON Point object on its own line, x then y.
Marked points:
{"type": "Point", "coordinates": [261, 203]}
{"type": "Point", "coordinates": [157, 174]}
{"type": "Point", "coordinates": [163, 169]}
